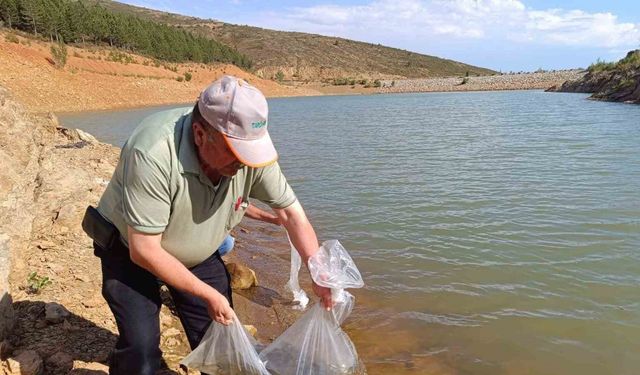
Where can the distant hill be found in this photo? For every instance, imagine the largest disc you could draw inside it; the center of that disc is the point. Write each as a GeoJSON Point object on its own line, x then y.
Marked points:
{"type": "Point", "coordinates": [302, 56]}
{"type": "Point", "coordinates": [611, 81]}
{"type": "Point", "coordinates": [78, 22]}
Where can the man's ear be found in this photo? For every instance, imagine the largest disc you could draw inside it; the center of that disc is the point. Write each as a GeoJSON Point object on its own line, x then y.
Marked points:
{"type": "Point", "coordinates": [198, 134]}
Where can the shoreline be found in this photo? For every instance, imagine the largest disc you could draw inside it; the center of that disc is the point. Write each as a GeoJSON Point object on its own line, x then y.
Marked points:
{"type": "Point", "coordinates": [425, 91]}
{"type": "Point", "coordinates": [92, 82]}
{"type": "Point", "coordinates": [150, 106]}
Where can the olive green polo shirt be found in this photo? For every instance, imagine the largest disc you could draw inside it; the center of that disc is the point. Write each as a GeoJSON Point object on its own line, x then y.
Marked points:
{"type": "Point", "coordinates": [159, 187]}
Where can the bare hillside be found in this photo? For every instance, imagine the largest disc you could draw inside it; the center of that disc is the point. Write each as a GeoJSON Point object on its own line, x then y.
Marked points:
{"type": "Point", "coordinates": [310, 57]}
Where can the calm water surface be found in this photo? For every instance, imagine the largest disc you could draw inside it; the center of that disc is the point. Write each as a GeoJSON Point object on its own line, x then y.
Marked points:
{"type": "Point", "coordinates": [498, 233]}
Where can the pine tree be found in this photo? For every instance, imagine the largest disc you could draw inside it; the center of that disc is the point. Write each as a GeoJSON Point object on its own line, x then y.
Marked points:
{"type": "Point", "coordinates": [9, 12]}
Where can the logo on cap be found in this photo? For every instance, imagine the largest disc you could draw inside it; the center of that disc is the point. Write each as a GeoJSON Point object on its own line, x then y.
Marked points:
{"type": "Point", "coordinates": [259, 124]}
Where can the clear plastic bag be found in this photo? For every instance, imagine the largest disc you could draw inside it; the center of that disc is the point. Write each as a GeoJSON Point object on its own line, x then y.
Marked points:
{"type": "Point", "coordinates": [226, 350]}
{"type": "Point", "coordinates": [315, 344]}
{"type": "Point", "coordinates": [332, 267]}
{"type": "Point", "coordinates": [299, 296]}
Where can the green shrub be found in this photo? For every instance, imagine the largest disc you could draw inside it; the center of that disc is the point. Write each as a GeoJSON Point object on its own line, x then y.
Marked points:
{"type": "Point", "coordinates": [59, 55]}
{"type": "Point", "coordinates": [36, 283]}
{"type": "Point", "coordinates": [12, 38]}
{"type": "Point", "coordinates": [279, 76]}
{"type": "Point", "coordinates": [632, 60]}
{"type": "Point", "coordinates": [187, 76]}
{"type": "Point", "coordinates": [377, 83]}
{"type": "Point", "coordinates": [600, 66]}
{"type": "Point", "coordinates": [340, 81]}
{"type": "Point", "coordinates": [171, 68]}
{"type": "Point", "coordinates": [120, 57]}
{"type": "Point", "coordinates": [625, 83]}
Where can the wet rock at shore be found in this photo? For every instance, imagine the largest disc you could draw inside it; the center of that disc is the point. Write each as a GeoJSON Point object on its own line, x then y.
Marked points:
{"type": "Point", "coordinates": [253, 331]}
{"type": "Point", "coordinates": [242, 277]}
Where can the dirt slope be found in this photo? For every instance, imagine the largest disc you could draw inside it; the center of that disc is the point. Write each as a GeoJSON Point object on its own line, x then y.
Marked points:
{"type": "Point", "coordinates": [90, 81]}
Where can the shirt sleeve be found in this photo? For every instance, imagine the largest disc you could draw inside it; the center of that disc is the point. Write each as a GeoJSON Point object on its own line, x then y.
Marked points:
{"type": "Point", "coordinates": [146, 195]}
{"type": "Point", "coordinates": [271, 187]}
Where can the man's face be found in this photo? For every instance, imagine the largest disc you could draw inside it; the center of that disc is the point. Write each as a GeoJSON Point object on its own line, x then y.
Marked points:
{"type": "Point", "coordinates": [213, 151]}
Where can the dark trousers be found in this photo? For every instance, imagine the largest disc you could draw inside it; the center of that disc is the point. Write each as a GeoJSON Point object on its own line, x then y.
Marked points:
{"type": "Point", "coordinates": [133, 294]}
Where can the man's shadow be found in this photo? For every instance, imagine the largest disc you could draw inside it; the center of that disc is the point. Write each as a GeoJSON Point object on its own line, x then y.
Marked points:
{"type": "Point", "coordinates": [75, 336]}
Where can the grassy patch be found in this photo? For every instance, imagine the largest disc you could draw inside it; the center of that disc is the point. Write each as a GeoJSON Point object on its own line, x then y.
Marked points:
{"type": "Point", "coordinates": [59, 55]}
{"type": "Point", "coordinates": [35, 282]}
{"type": "Point", "coordinates": [121, 57]}
{"type": "Point", "coordinates": [601, 66]}
{"type": "Point", "coordinates": [12, 38]}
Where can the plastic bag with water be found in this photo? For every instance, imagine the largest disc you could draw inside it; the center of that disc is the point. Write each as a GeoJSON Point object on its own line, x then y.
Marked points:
{"type": "Point", "coordinates": [226, 350]}
{"type": "Point", "coordinates": [300, 298]}
{"type": "Point", "coordinates": [315, 344]}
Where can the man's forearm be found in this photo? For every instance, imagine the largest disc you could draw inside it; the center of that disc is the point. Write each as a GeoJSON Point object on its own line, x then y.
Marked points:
{"type": "Point", "coordinates": [301, 233]}
{"type": "Point", "coordinates": [147, 253]}
{"type": "Point", "coordinates": [303, 237]}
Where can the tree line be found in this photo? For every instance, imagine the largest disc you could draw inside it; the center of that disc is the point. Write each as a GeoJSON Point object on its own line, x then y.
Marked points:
{"type": "Point", "coordinates": [76, 22]}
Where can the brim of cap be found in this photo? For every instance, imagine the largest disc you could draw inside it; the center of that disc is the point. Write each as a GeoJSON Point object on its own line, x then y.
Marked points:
{"type": "Point", "coordinates": [253, 153]}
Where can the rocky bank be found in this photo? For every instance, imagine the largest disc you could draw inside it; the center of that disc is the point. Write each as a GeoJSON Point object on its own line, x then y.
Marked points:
{"type": "Point", "coordinates": [47, 178]}
{"type": "Point", "coordinates": [519, 81]}
{"type": "Point", "coordinates": [618, 82]}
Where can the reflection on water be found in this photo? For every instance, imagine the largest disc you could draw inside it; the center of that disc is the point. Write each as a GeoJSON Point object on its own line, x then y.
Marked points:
{"type": "Point", "coordinates": [498, 233]}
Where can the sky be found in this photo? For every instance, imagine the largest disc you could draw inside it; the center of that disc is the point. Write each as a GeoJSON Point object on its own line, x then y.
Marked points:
{"type": "Point", "coordinates": [504, 35]}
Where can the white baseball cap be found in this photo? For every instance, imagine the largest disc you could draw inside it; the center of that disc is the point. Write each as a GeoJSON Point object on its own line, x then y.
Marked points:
{"type": "Point", "coordinates": [240, 112]}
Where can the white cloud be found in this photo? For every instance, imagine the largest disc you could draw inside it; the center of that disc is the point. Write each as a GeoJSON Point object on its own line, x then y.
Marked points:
{"type": "Point", "coordinates": [576, 27]}
{"type": "Point", "coordinates": [465, 19]}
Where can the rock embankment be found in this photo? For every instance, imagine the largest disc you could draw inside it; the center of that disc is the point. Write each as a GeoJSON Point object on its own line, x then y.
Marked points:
{"type": "Point", "coordinates": [21, 150]}
{"type": "Point", "coordinates": [618, 82]}
{"type": "Point", "coordinates": [53, 319]}
{"type": "Point", "coordinates": [524, 81]}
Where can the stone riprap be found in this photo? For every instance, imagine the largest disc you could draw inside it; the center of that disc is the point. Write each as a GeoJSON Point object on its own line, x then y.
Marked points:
{"type": "Point", "coordinates": [523, 81]}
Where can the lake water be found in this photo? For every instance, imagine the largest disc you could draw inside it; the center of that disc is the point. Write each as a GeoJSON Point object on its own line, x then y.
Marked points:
{"type": "Point", "coordinates": [497, 232]}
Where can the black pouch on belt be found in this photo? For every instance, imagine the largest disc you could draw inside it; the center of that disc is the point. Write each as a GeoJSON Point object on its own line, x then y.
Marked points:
{"type": "Point", "coordinates": [101, 230]}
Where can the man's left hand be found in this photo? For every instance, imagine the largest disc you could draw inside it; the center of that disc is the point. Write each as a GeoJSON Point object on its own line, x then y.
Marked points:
{"type": "Point", "coordinates": [324, 294]}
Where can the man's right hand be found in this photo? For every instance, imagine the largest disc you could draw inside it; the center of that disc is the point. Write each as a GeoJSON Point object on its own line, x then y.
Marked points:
{"type": "Point", "coordinates": [219, 308]}
{"type": "Point", "coordinates": [147, 252]}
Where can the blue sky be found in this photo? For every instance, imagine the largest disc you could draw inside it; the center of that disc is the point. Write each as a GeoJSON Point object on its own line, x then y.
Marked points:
{"type": "Point", "coordinates": [505, 35]}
